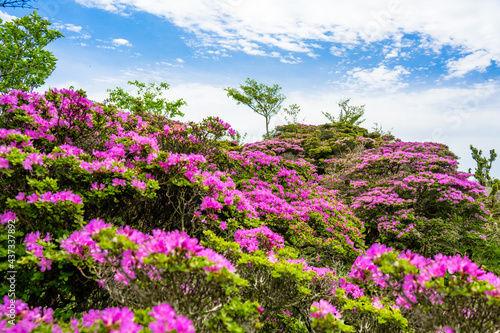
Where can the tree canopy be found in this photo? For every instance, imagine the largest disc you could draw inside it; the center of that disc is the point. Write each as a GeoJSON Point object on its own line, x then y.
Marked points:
{"type": "Point", "coordinates": [24, 63]}
{"type": "Point", "coordinates": [291, 114]}
{"type": "Point", "coordinates": [261, 98]}
{"type": "Point", "coordinates": [482, 172]}
{"type": "Point", "coordinates": [147, 99]}
{"type": "Point", "coordinates": [349, 114]}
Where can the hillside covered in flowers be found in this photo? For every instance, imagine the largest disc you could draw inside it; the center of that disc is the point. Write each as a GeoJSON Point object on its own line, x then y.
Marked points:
{"type": "Point", "coordinates": [132, 222]}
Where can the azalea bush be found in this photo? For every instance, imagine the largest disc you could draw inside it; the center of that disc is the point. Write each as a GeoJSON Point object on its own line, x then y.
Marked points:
{"type": "Point", "coordinates": [133, 221]}
{"type": "Point", "coordinates": [327, 141]}
{"type": "Point", "coordinates": [16, 316]}
{"type": "Point", "coordinates": [411, 195]}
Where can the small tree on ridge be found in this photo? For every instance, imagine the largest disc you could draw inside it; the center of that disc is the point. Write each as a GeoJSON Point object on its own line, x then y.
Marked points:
{"type": "Point", "coordinates": [349, 114]}
{"type": "Point", "coordinates": [261, 98]}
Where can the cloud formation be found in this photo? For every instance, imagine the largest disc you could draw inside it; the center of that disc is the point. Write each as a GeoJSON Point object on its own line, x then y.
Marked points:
{"type": "Point", "coordinates": [121, 42]}
{"type": "Point", "coordinates": [6, 17]}
{"type": "Point", "coordinates": [379, 78]}
{"type": "Point", "coordinates": [284, 28]}
{"type": "Point", "coordinates": [67, 26]}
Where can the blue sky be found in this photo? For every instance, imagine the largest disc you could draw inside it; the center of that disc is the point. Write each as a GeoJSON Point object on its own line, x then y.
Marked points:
{"type": "Point", "coordinates": [427, 70]}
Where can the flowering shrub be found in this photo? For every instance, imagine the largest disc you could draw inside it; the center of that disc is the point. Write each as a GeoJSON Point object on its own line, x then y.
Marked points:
{"type": "Point", "coordinates": [411, 196]}
{"type": "Point", "coordinates": [140, 270]}
{"type": "Point", "coordinates": [109, 207]}
{"type": "Point", "coordinates": [16, 316]}
{"type": "Point", "coordinates": [253, 239]}
{"type": "Point", "coordinates": [427, 288]}
{"type": "Point", "coordinates": [295, 283]}
{"type": "Point", "coordinates": [328, 141]}
{"type": "Point", "coordinates": [288, 199]}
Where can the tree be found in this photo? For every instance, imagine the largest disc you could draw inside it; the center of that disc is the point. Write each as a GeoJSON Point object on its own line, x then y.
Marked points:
{"type": "Point", "coordinates": [15, 3]}
{"type": "Point", "coordinates": [291, 114]}
{"type": "Point", "coordinates": [483, 177]}
{"type": "Point", "coordinates": [349, 114]}
{"type": "Point", "coordinates": [261, 98]}
{"type": "Point", "coordinates": [148, 99]}
{"type": "Point", "coordinates": [24, 63]}
{"type": "Point", "coordinates": [482, 173]}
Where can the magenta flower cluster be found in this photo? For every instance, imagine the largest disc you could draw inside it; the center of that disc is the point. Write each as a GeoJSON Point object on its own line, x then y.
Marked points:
{"type": "Point", "coordinates": [323, 308]}
{"type": "Point", "coordinates": [50, 197]}
{"type": "Point", "coordinates": [258, 238]}
{"type": "Point", "coordinates": [82, 244]}
{"type": "Point", "coordinates": [415, 282]}
{"type": "Point", "coordinates": [17, 317]}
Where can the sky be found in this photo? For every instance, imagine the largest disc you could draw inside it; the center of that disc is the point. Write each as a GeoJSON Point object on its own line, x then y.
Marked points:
{"type": "Point", "coordinates": [425, 70]}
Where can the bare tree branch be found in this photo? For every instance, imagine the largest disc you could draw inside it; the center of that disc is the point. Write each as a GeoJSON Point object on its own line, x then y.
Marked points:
{"type": "Point", "coordinates": [15, 3]}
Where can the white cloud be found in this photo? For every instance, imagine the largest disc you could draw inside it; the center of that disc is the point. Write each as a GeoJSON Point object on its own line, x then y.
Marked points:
{"type": "Point", "coordinates": [392, 54]}
{"type": "Point", "coordinates": [378, 78]}
{"type": "Point", "coordinates": [477, 61]}
{"type": "Point", "coordinates": [67, 26]}
{"type": "Point", "coordinates": [179, 60]}
{"type": "Point", "coordinates": [297, 26]}
{"type": "Point", "coordinates": [337, 51]}
{"type": "Point", "coordinates": [169, 64]}
{"type": "Point", "coordinates": [82, 36]}
{"type": "Point", "coordinates": [121, 42]}
{"type": "Point", "coordinates": [74, 28]}
{"type": "Point", "coordinates": [6, 17]}
{"type": "Point", "coordinates": [106, 47]}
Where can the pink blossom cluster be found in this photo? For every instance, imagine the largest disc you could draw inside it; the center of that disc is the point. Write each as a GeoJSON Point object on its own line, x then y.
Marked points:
{"type": "Point", "coordinates": [323, 308]}
{"type": "Point", "coordinates": [16, 317]}
{"type": "Point", "coordinates": [50, 197]}
{"type": "Point", "coordinates": [63, 115]}
{"type": "Point", "coordinates": [350, 288]}
{"type": "Point", "coordinates": [83, 243]}
{"type": "Point", "coordinates": [7, 216]}
{"type": "Point", "coordinates": [258, 238]}
{"type": "Point", "coordinates": [278, 146]}
{"type": "Point", "coordinates": [32, 159]}
{"type": "Point", "coordinates": [32, 245]}
{"type": "Point", "coordinates": [289, 197]}
{"type": "Point", "coordinates": [167, 320]}
{"type": "Point", "coordinates": [113, 319]}
{"type": "Point", "coordinates": [414, 283]}
{"type": "Point", "coordinates": [412, 194]}
{"type": "Point", "coordinates": [190, 162]}
{"type": "Point", "coordinates": [378, 196]}
{"type": "Point", "coordinates": [421, 156]}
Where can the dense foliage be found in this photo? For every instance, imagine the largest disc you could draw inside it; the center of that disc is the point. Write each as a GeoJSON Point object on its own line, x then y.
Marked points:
{"type": "Point", "coordinates": [24, 61]}
{"type": "Point", "coordinates": [133, 222]}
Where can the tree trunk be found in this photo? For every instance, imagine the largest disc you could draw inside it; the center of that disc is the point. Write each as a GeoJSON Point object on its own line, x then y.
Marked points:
{"type": "Point", "coordinates": [267, 127]}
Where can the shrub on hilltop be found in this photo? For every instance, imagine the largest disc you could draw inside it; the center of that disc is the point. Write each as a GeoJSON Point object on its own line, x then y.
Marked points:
{"type": "Point", "coordinates": [134, 222]}
{"type": "Point", "coordinates": [66, 161]}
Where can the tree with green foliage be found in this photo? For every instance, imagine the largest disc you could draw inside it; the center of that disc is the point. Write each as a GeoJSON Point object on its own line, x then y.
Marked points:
{"type": "Point", "coordinates": [349, 114]}
{"type": "Point", "coordinates": [482, 173]}
{"type": "Point", "coordinates": [261, 98]}
{"type": "Point", "coordinates": [148, 99]}
{"type": "Point", "coordinates": [24, 63]}
{"type": "Point", "coordinates": [15, 3]}
{"type": "Point", "coordinates": [291, 114]}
